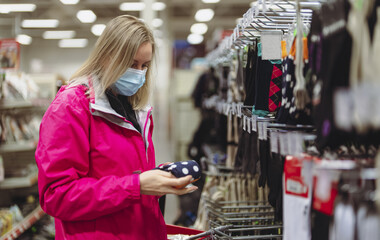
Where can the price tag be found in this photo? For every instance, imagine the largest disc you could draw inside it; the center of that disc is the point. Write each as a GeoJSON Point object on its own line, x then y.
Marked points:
{"type": "Point", "coordinates": [299, 140]}
{"type": "Point", "coordinates": [238, 106]}
{"type": "Point", "coordinates": [249, 125]}
{"type": "Point", "coordinates": [254, 123]}
{"type": "Point", "coordinates": [265, 133]}
{"type": "Point", "coordinates": [274, 141]}
{"type": "Point", "coordinates": [260, 130]}
{"type": "Point", "coordinates": [283, 143]}
{"type": "Point", "coordinates": [245, 123]}
{"type": "Point", "coordinates": [226, 108]}
{"type": "Point", "coordinates": [292, 140]}
{"type": "Point", "coordinates": [289, 142]}
{"type": "Point", "coordinates": [233, 108]}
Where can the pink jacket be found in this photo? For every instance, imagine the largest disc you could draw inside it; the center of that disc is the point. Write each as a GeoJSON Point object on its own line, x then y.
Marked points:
{"type": "Point", "coordinates": [89, 158]}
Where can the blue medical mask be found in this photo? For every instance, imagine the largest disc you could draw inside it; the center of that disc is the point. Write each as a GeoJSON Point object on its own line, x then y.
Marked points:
{"type": "Point", "coordinates": [130, 82]}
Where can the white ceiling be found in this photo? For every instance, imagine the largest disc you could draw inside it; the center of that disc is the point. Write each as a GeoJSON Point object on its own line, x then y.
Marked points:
{"type": "Point", "coordinates": [179, 15]}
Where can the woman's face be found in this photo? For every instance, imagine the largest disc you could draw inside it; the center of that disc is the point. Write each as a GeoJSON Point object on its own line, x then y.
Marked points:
{"type": "Point", "coordinates": [143, 57]}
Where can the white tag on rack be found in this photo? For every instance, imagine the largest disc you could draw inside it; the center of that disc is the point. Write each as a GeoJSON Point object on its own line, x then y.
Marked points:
{"type": "Point", "coordinates": [254, 123]}
{"type": "Point", "coordinates": [290, 143]}
{"type": "Point", "coordinates": [292, 140]}
{"type": "Point", "coordinates": [249, 124]}
{"type": "Point", "coordinates": [283, 143]}
{"type": "Point", "coordinates": [271, 44]}
{"type": "Point", "coordinates": [265, 133]}
{"type": "Point", "coordinates": [299, 145]}
{"type": "Point", "coordinates": [260, 130]}
{"type": "Point", "coordinates": [275, 142]}
{"type": "Point", "coordinates": [238, 106]}
{"type": "Point", "coordinates": [245, 123]}
{"type": "Point", "coordinates": [226, 109]}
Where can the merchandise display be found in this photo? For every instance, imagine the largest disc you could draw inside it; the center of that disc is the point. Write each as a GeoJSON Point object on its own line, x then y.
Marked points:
{"type": "Point", "coordinates": [20, 117]}
{"type": "Point", "coordinates": [299, 131]}
{"type": "Point", "coordinates": [287, 145]}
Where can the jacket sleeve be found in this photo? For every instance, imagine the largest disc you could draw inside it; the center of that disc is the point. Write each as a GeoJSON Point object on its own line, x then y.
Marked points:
{"type": "Point", "coordinates": [62, 155]}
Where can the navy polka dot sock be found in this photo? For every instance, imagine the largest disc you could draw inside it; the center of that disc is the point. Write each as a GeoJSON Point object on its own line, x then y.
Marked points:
{"type": "Point", "coordinates": [183, 169]}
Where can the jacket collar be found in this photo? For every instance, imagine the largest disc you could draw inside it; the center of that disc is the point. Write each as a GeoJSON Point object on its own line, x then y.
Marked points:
{"type": "Point", "coordinates": [100, 106]}
{"type": "Point", "coordinates": [101, 103]}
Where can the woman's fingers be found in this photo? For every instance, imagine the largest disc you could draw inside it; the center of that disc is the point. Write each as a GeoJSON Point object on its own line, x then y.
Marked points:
{"type": "Point", "coordinates": [183, 181]}
{"type": "Point", "coordinates": [158, 182]}
{"type": "Point", "coordinates": [185, 190]}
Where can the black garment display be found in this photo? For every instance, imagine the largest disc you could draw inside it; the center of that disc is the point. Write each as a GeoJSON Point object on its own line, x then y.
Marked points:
{"type": "Point", "coordinates": [335, 67]}
{"type": "Point", "coordinates": [264, 161]}
{"type": "Point", "coordinates": [247, 154]}
{"type": "Point", "coordinates": [287, 91]}
{"type": "Point", "coordinates": [275, 173]}
{"type": "Point", "coordinates": [264, 70]}
{"type": "Point", "coordinates": [207, 85]}
{"type": "Point", "coordinates": [122, 106]}
{"type": "Point", "coordinates": [320, 224]}
{"type": "Point", "coordinates": [250, 76]}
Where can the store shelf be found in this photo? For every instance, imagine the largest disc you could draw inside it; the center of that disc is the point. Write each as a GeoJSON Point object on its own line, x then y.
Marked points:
{"type": "Point", "coordinates": [19, 182]}
{"type": "Point", "coordinates": [17, 147]}
{"type": "Point", "coordinates": [25, 224]}
{"type": "Point", "coordinates": [15, 104]}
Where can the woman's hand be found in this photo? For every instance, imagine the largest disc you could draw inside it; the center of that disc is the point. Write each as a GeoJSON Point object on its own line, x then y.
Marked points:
{"type": "Point", "coordinates": [157, 182]}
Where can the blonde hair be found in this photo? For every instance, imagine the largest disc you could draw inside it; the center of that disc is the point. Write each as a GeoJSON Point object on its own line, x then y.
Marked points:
{"type": "Point", "coordinates": [113, 54]}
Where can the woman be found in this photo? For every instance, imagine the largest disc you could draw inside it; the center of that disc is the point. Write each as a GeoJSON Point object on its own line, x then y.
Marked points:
{"type": "Point", "coordinates": [95, 151]}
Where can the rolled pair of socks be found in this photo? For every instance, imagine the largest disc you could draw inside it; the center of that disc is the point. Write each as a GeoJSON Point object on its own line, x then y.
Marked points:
{"type": "Point", "coordinates": [183, 169]}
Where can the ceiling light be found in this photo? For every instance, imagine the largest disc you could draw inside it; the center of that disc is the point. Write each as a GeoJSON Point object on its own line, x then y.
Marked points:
{"type": "Point", "coordinates": [194, 38]}
{"type": "Point", "coordinates": [199, 28]}
{"type": "Point", "coordinates": [132, 6]}
{"type": "Point", "coordinates": [24, 7]}
{"type": "Point", "coordinates": [157, 22]}
{"type": "Point", "coordinates": [98, 29]}
{"type": "Point", "coordinates": [24, 39]}
{"type": "Point", "coordinates": [210, 1]}
{"type": "Point", "coordinates": [39, 23]}
{"type": "Point", "coordinates": [69, 2]}
{"type": "Point", "coordinates": [204, 15]}
{"type": "Point", "coordinates": [158, 6]}
{"type": "Point", "coordinates": [86, 16]}
{"type": "Point", "coordinates": [73, 43]}
{"type": "Point", "coordinates": [58, 34]}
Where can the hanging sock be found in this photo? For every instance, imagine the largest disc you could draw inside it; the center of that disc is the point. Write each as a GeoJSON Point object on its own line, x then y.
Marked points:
{"type": "Point", "coordinates": [283, 49]}
{"type": "Point", "coordinates": [275, 89]}
{"type": "Point", "coordinates": [301, 96]}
